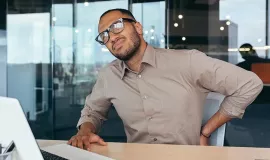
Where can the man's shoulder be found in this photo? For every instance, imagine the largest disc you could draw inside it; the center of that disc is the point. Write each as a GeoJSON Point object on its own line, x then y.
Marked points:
{"type": "Point", "coordinates": [111, 68]}
{"type": "Point", "coordinates": [176, 52]}
{"type": "Point", "coordinates": [178, 55]}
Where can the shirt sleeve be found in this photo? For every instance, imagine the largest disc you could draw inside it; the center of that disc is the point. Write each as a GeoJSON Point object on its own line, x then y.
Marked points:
{"type": "Point", "coordinates": [240, 87]}
{"type": "Point", "coordinates": [96, 105]}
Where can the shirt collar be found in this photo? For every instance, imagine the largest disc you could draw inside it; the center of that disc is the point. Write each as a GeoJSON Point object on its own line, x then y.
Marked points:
{"type": "Point", "coordinates": [149, 57]}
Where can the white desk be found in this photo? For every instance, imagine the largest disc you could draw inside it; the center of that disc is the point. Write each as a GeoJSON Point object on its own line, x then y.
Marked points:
{"type": "Point", "coordinates": [128, 151]}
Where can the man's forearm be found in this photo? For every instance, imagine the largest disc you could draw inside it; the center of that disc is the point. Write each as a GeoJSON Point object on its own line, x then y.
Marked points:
{"type": "Point", "coordinates": [88, 126]}
{"type": "Point", "coordinates": [217, 120]}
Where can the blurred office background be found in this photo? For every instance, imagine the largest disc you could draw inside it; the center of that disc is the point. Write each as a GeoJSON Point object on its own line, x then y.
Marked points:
{"type": "Point", "coordinates": [49, 59]}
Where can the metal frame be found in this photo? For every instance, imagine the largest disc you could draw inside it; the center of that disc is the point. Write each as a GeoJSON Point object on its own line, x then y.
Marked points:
{"type": "Point", "coordinates": [267, 28]}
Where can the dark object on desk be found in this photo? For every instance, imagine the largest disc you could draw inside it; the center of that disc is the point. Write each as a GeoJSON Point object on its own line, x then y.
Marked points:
{"type": "Point", "coordinates": [45, 155]}
{"type": "Point", "coordinates": [50, 156]}
{"type": "Point", "coordinates": [10, 147]}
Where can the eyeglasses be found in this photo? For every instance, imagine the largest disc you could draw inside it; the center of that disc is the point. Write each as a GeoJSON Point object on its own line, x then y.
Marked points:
{"type": "Point", "coordinates": [117, 27]}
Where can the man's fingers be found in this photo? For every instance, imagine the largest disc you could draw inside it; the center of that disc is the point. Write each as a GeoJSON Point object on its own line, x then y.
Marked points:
{"type": "Point", "coordinates": [86, 142]}
{"type": "Point", "coordinates": [101, 141]}
{"type": "Point", "coordinates": [97, 139]}
{"type": "Point", "coordinates": [94, 138]}
{"type": "Point", "coordinates": [74, 142]}
{"type": "Point", "coordinates": [70, 141]}
{"type": "Point", "coordinates": [79, 142]}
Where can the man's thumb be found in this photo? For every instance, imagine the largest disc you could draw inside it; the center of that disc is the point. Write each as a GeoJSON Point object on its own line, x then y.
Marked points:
{"type": "Point", "coordinates": [101, 141]}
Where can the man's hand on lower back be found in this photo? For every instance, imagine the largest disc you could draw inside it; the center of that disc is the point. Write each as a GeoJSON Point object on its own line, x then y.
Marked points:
{"type": "Point", "coordinates": [204, 141]}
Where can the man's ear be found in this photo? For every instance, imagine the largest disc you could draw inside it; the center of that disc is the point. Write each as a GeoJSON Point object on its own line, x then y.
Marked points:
{"type": "Point", "coordinates": [139, 28]}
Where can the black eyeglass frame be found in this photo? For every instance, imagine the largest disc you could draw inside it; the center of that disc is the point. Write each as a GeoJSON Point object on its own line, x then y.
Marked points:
{"type": "Point", "coordinates": [109, 29]}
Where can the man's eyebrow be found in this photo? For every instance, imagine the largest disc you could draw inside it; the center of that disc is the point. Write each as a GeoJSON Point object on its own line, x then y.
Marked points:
{"type": "Point", "coordinates": [108, 26]}
{"type": "Point", "coordinates": [104, 27]}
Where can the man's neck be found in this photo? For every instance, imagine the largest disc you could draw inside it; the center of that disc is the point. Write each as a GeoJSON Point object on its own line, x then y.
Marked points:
{"type": "Point", "coordinates": [135, 62]}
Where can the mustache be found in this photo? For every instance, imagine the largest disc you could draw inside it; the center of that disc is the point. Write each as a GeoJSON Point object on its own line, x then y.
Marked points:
{"type": "Point", "coordinates": [116, 42]}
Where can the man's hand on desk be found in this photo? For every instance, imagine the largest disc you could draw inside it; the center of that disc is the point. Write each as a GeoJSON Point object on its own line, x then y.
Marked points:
{"type": "Point", "coordinates": [83, 139]}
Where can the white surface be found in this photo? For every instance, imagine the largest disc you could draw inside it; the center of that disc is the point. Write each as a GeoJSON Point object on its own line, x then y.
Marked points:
{"type": "Point", "coordinates": [14, 126]}
{"type": "Point", "coordinates": [73, 153]}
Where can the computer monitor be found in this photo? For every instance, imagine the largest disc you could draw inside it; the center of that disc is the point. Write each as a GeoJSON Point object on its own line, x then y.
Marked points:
{"type": "Point", "coordinates": [14, 127]}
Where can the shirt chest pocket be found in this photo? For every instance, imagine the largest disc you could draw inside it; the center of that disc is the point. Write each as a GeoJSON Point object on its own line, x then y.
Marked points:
{"type": "Point", "coordinates": [128, 110]}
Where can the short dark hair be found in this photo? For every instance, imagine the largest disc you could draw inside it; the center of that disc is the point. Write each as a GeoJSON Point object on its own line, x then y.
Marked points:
{"type": "Point", "coordinates": [123, 11]}
{"type": "Point", "coordinates": [251, 51]}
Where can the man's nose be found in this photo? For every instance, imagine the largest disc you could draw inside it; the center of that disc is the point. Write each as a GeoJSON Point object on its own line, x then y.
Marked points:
{"type": "Point", "coordinates": [113, 37]}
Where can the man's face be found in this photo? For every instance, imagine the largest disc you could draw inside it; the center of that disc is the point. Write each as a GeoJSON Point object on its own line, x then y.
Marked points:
{"type": "Point", "coordinates": [122, 45]}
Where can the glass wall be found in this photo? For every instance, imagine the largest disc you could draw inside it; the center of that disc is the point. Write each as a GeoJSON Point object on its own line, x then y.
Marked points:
{"type": "Point", "coordinates": [53, 53]}
{"type": "Point", "coordinates": [250, 24]}
{"type": "Point", "coordinates": [3, 50]}
{"type": "Point", "coordinates": [77, 60]}
{"type": "Point", "coordinates": [154, 26]}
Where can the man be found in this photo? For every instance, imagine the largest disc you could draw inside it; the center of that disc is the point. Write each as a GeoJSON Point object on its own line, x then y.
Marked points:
{"type": "Point", "coordinates": [159, 94]}
{"type": "Point", "coordinates": [250, 56]}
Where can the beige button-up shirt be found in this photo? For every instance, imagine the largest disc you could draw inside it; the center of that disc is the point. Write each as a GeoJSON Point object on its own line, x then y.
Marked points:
{"type": "Point", "coordinates": [164, 102]}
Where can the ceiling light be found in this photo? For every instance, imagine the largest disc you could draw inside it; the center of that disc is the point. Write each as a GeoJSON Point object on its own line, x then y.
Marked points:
{"type": "Point", "coordinates": [86, 4]}
{"type": "Point", "coordinates": [221, 28]}
{"type": "Point", "coordinates": [180, 16]}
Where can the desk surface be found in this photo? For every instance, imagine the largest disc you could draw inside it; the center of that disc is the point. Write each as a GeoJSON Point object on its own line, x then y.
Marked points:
{"type": "Point", "coordinates": [123, 151]}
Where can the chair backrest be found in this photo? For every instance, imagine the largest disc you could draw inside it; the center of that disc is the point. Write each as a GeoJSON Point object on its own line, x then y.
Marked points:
{"type": "Point", "coordinates": [262, 70]}
{"type": "Point", "coordinates": [211, 106]}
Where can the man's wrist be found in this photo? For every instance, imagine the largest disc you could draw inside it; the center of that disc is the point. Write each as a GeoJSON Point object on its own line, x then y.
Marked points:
{"type": "Point", "coordinates": [85, 130]}
{"type": "Point", "coordinates": [205, 133]}
{"type": "Point", "coordinates": [87, 127]}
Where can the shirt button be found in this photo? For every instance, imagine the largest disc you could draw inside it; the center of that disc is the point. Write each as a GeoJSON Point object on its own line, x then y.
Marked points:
{"type": "Point", "coordinates": [155, 139]}
{"type": "Point", "coordinates": [150, 118]}
{"type": "Point", "coordinates": [139, 76]}
{"type": "Point", "coordinates": [144, 97]}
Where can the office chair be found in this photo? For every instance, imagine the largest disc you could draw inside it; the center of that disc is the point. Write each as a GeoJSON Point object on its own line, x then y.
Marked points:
{"type": "Point", "coordinates": [262, 70]}
{"type": "Point", "coordinates": [212, 105]}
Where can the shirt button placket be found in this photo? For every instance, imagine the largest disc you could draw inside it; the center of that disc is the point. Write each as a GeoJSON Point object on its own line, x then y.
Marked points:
{"type": "Point", "coordinates": [145, 97]}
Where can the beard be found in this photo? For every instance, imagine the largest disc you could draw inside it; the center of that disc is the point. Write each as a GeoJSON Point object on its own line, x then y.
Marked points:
{"type": "Point", "coordinates": [128, 53]}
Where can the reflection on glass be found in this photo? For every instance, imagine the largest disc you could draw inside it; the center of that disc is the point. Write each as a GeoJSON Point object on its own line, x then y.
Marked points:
{"type": "Point", "coordinates": [154, 25]}
{"type": "Point", "coordinates": [29, 69]}
{"type": "Point", "coordinates": [255, 11]}
{"type": "Point", "coordinates": [78, 58]}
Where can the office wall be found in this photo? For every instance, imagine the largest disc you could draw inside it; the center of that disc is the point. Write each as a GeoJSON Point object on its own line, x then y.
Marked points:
{"type": "Point", "coordinates": [3, 63]}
